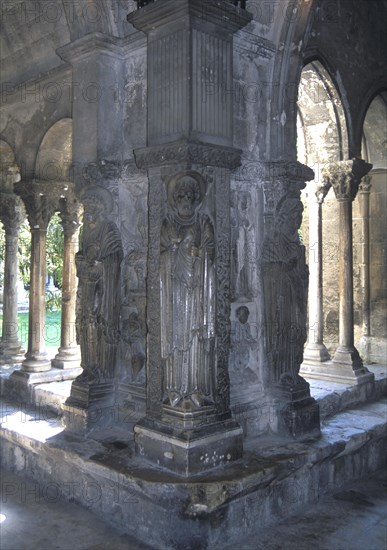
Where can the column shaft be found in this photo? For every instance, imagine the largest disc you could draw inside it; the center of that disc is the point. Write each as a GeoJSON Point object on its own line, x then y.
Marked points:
{"type": "Point", "coordinates": [315, 350]}
{"type": "Point", "coordinates": [36, 358]}
{"type": "Point", "coordinates": [10, 346]}
{"type": "Point", "coordinates": [346, 337]}
{"type": "Point", "coordinates": [365, 211]}
{"type": "Point", "coordinates": [68, 354]}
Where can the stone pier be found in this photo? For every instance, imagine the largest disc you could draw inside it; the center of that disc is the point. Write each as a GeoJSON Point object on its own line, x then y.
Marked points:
{"type": "Point", "coordinates": [188, 426]}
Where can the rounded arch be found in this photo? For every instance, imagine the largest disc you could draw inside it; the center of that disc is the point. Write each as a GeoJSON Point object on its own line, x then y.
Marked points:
{"type": "Point", "coordinates": [9, 169]}
{"type": "Point", "coordinates": [322, 134]}
{"type": "Point", "coordinates": [54, 158]}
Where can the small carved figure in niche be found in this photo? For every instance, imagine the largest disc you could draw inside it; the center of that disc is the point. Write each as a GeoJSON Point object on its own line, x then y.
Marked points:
{"type": "Point", "coordinates": [243, 344]}
{"type": "Point", "coordinates": [134, 274]}
{"type": "Point", "coordinates": [98, 270]}
{"type": "Point", "coordinates": [187, 295]}
{"type": "Point", "coordinates": [246, 257]}
{"type": "Point", "coordinates": [234, 239]}
{"type": "Point", "coordinates": [286, 287]}
{"type": "Point", "coordinates": [135, 355]}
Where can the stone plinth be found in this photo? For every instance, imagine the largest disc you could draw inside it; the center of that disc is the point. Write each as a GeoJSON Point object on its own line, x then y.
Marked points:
{"type": "Point", "coordinates": [191, 451]}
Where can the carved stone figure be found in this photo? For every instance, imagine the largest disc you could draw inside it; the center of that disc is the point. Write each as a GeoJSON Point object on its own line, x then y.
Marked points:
{"type": "Point", "coordinates": [246, 277]}
{"type": "Point", "coordinates": [285, 286]}
{"type": "Point", "coordinates": [98, 270]}
{"type": "Point", "coordinates": [187, 295]}
{"type": "Point", "coordinates": [132, 335]}
{"type": "Point", "coordinates": [243, 345]}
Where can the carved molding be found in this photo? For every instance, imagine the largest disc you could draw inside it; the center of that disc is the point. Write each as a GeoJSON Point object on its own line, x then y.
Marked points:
{"type": "Point", "coordinates": [253, 46]}
{"type": "Point", "coordinates": [345, 177]}
{"type": "Point", "coordinates": [224, 15]}
{"type": "Point", "coordinates": [181, 152]}
{"type": "Point", "coordinates": [98, 43]}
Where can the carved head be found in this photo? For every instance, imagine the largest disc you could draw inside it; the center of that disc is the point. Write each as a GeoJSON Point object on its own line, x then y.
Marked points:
{"type": "Point", "coordinates": [289, 217]}
{"type": "Point", "coordinates": [244, 201]}
{"type": "Point", "coordinates": [186, 196]}
{"type": "Point", "coordinates": [242, 314]}
{"type": "Point", "coordinates": [97, 202]}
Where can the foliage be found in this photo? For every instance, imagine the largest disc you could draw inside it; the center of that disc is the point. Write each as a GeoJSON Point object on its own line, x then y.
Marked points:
{"type": "Point", "coordinates": [54, 253]}
{"type": "Point", "coordinates": [54, 258]}
{"type": "Point", "coordinates": [2, 254]}
{"type": "Point", "coordinates": [24, 252]}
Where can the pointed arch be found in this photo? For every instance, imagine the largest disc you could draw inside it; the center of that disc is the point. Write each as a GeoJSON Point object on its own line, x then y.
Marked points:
{"type": "Point", "coordinates": [321, 115]}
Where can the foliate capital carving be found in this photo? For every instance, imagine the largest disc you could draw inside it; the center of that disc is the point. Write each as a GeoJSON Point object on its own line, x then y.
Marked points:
{"type": "Point", "coordinates": [365, 184]}
{"type": "Point", "coordinates": [345, 177]}
{"type": "Point", "coordinates": [70, 212]}
{"type": "Point", "coordinates": [12, 213]}
{"type": "Point", "coordinates": [321, 190]}
{"type": "Point", "coordinates": [41, 200]}
{"type": "Point", "coordinates": [184, 152]}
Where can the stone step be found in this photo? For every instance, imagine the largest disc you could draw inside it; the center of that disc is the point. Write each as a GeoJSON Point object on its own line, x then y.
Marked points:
{"type": "Point", "coordinates": [274, 479]}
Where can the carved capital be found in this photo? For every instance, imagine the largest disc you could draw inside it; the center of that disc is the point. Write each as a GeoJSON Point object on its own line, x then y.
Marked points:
{"type": "Point", "coordinates": [365, 185]}
{"type": "Point", "coordinates": [280, 179]}
{"type": "Point", "coordinates": [345, 177]}
{"type": "Point", "coordinates": [12, 213]}
{"type": "Point", "coordinates": [184, 152]}
{"type": "Point", "coordinates": [70, 212]}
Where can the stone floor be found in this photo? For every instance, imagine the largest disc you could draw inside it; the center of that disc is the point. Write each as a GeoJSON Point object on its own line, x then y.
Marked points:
{"type": "Point", "coordinates": [353, 518]}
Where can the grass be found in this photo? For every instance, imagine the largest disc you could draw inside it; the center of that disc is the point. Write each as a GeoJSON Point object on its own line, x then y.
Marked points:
{"type": "Point", "coordinates": [51, 331]}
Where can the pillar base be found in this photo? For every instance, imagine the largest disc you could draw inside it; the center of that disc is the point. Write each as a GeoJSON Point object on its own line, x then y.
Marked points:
{"type": "Point", "coordinates": [35, 363]}
{"type": "Point", "coordinates": [298, 412]}
{"type": "Point", "coordinates": [90, 407]}
{"type": "Point", "coordinates": [345, 368]}
{"type": "Point", "coordinates": [11, 354]}
{"type": "Point", "coordinates": [189, 452]}
{"type": "Point", "coordinates": [45, 377]}
{"type": "Point", "coordinates": [315, 354]}
{"type": "Point", "coordinates": [67, 358]}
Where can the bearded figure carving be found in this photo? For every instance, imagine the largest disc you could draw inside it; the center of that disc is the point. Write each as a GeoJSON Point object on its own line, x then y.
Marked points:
{"type": "Point", "coordinates": [187, 296]}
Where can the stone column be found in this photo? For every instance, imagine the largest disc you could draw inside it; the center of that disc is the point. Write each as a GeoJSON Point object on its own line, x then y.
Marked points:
{"type": "Point", "coordinates": [345, 177]}
{"type": "Point", "coordinates": [36, 360]}
{"type": "Point", "coordinates": [315, 352]}
{"type": "Point", "coordinates": [68, 356]}
{"type": "Point", "coordinates": [188, 426]}
{"type": "Point", "coordinates": [12, 215]}
{"type": "Point", "coordinates": [41, 199]}
{"type": "Point", "coordinates": [364, 199]}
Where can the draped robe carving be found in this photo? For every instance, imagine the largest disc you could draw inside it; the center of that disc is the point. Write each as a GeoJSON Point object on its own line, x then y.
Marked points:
{"type": "Point", "coordinates": [187, 299]}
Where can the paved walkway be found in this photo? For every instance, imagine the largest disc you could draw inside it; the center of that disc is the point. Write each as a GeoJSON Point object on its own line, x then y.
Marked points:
{"type": "Point", "coordinates": [354, 518]}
